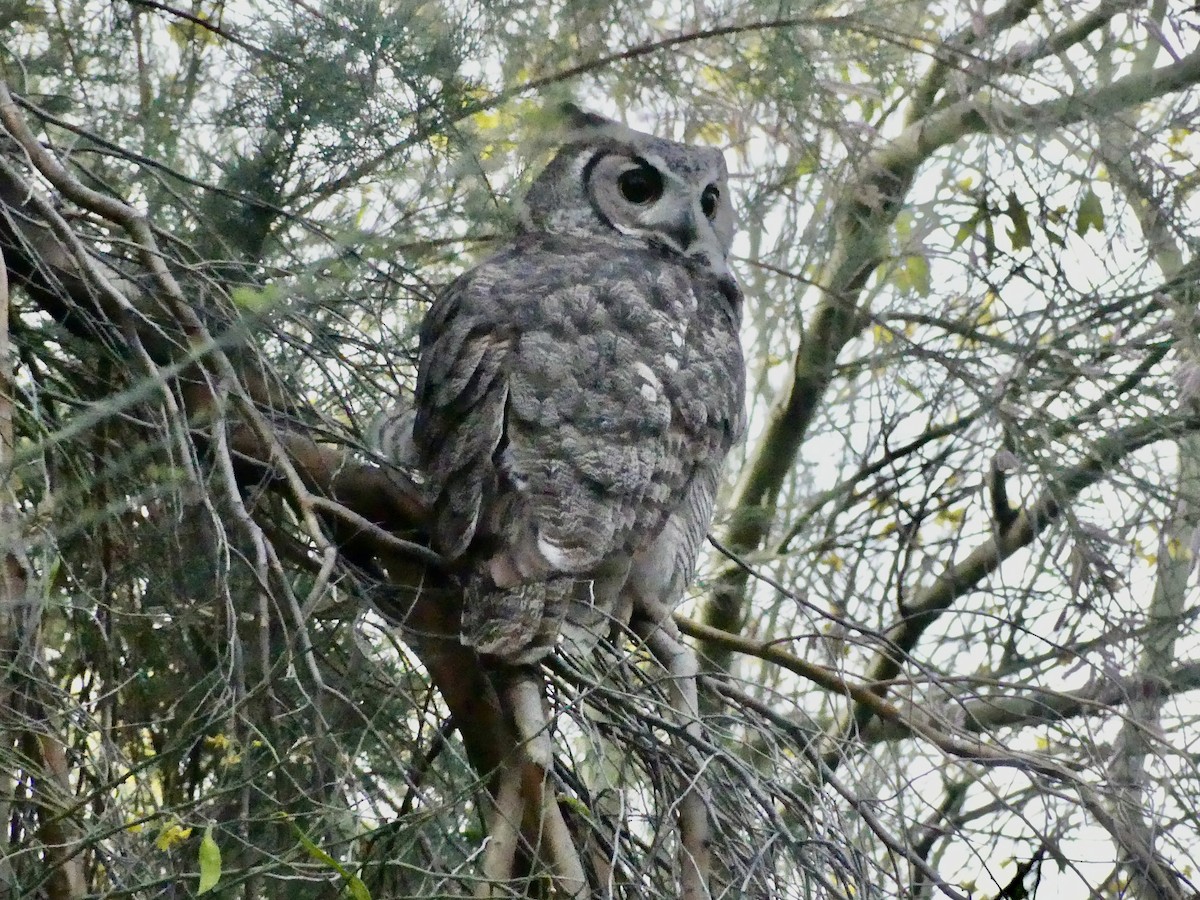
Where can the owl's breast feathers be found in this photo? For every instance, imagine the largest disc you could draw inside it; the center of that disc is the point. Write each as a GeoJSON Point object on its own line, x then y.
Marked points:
{"type": "Point", "coordinates": [569, 394]}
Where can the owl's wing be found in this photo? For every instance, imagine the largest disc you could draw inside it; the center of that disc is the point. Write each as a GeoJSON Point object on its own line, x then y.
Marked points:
{"type": "Point", "coordinates": [538, 433]}
{"type": "Point", "coordinates": [573, 412]}
{"type": "Point", "coordinates": [462, 392]}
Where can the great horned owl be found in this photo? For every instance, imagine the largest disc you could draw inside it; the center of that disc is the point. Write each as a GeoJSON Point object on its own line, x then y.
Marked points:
{"type": "Point", "coordinates": [578, 392]}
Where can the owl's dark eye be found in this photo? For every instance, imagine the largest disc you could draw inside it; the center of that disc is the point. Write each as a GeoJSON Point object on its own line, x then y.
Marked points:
{"type": "Point", "coordinates": [641, 185]}
{"type": "Point", "coordinates": [708, 200]}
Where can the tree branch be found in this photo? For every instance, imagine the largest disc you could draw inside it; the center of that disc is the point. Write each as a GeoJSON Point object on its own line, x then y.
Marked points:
{"type": "Point", "coordinates": [861, 220]}
{"type": "Point", "coordinates": [959, 579]}
{"type": "Point", "coordinates": [51, 264]}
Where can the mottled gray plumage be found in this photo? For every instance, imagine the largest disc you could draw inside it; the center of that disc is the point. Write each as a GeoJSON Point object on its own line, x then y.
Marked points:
{"type": "Point", "coordinates": [579, 390]}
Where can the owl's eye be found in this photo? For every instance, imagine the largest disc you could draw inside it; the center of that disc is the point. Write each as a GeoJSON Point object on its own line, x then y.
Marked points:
{"type": "Point", "coordinates": [708, 200]}
{"type": "Point", "coordinates": [641, 185]}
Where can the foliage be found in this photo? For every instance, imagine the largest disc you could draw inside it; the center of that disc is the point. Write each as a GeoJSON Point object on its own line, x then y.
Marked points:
{"type": "Point", "coordinates": [949, 613]}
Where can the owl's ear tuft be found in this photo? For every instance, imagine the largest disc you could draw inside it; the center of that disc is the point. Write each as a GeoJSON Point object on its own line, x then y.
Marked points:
{"type": "Point", "coordinates": [580, 124]}
{"type": "Point", "coordinates": [577, 118]}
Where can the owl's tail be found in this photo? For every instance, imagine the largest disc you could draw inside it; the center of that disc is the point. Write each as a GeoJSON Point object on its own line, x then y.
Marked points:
{"type": "Point", "coordinates": [522, 625]}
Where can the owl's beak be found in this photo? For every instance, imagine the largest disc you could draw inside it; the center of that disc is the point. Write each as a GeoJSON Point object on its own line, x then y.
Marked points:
{"type": "Point", "coordinates": [679, 229]}
{"type": "Point", "coordinates": [689, 232]}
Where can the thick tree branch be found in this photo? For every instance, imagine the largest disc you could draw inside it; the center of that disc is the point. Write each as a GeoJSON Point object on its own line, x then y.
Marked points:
{"type": "Point", "coordinates": [54, 268]}
{"type": "Point", "coordinates": [861, 221]}
{"type": "Point", "coordinates": [1010, 14]}
{"type": "Point", "coordinates": [1135, 743]}
{"type": "Point", "coordinates": [1032, 708]}
{"type": "Point", "coordinates": [22, 715]}
{"type": "Point", "coordinates": [969, 712]}
{"type": "Point", "coordinates": [959, 579]}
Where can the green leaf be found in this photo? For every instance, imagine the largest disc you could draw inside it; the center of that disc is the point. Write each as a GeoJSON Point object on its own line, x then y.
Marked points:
{"type": "Point", "coordinates": [912, 388]}
{"type": "Point", "coordinates": [354, 884]}
{"type": "Point", "coordinates": [805, 165]}
{"type": "Point", "coordinates": [915, 275]}
{"type": "Point", "coordinates": [989, 240]}
{"type": "Point", "coordinates": [51, 579]}
{"type": "Point", "coordinates": [1020, 234]}
{"type": "Point", "coordinates": [574, 803]}
{"type": "Point", "coordinates": [210, 862]}
{"type": "Point", "coordinates": [1091, 214]}
{"type": "Point", "coordinates": [967, 228]}
{"type": "Point", "coordinates": [256, 300]}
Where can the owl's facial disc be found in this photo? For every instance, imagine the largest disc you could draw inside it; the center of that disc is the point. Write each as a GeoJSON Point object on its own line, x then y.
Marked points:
{"type": "Point", "coordinates": [681, 209]}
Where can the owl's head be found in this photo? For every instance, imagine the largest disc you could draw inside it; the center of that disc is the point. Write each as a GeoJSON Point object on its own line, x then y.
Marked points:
{"type": "Point", "coordinates": [609, 179]}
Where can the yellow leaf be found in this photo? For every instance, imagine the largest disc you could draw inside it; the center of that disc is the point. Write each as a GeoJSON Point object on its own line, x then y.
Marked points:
{"type": "Point", "coordinates": [256, 300]}
{"type": "Point", "coordinates": [171, 836]}
{"type": "Point", "coordinates": [834, 561]}
{"type": "Point", "coordinates": [882, 335]}
{"type": "Point", "coordinates": [486, 120]}
{"type": "Point", "coordinates": [951, 516]}
{"type": "Point", "coordinates": [186, 32]}
{"type": "Point", "coordinates": [575, 804]}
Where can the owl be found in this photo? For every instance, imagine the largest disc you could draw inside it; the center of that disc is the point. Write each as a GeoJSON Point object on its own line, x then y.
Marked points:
{"type": "Point", "coordinates": [578, 391]}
